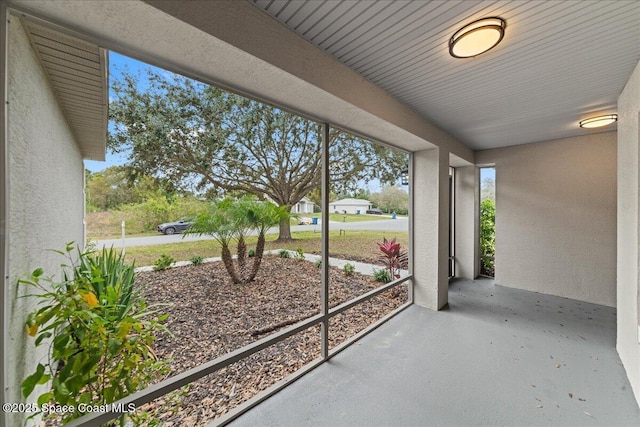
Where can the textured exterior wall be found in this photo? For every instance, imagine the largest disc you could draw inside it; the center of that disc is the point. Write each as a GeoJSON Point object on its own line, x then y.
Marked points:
{"type": "Point", "coordinates": [467, 212]}
{"type": "Point", "coordinates": [556, 217]}
{"type": "Point", "coordinates": [45, 195]}
{"type": "Point", "coordinates": [431, 228]}
{"type": "Point", "coordinates": [628, 229]}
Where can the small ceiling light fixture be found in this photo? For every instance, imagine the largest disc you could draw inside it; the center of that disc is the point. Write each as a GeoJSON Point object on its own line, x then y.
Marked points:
{"type": "Point", "coordinates": [598, 121]}
{"type": "Point", "coordinates": [477, 37]}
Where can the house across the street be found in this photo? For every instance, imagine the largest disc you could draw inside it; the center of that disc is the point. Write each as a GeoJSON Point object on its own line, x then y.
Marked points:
{"type": "Point", "coordinates": [303, 206]}
{"type": "Point", "coordinates": [350, 206]}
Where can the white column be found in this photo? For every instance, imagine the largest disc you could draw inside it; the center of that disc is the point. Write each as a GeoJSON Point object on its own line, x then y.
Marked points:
{"type": "Point", "coordinates": [467, 217]}
{"type": "Point", "coordinates": [431, 228]}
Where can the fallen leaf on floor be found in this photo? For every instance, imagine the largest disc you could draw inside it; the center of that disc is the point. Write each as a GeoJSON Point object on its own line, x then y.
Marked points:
{"type": "Point", "coordinates": [571, 395]}
{"type": "Point", "coordinates": [558, 365]}
{"type": "Point", "coordinates": [539, 406]}
{"type": "Point", "coordinates": [582, 400]}
{"type": "Point", "coordinates": [533, 385]}
{"type": "Point", "coordinates": [588, 414]}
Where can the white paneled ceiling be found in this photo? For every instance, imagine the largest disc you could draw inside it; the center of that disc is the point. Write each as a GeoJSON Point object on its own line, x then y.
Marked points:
{"type": "Point", "coordinates": [77, 71]}
{"type": "Point", "coordinates": [559, 62]}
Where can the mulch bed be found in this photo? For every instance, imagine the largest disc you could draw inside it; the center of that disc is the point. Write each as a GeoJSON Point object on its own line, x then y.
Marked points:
{"type": "Point", "coordinates": [209, 316]}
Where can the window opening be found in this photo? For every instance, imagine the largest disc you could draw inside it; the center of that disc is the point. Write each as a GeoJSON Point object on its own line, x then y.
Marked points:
{"type": "Point", "coordinates": [487, 221]}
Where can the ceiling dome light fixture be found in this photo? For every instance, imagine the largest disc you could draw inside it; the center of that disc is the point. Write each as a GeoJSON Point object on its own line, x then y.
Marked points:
{"type": "Point", "coordinates": [477, 37]}
{"type": "Point", "coordinates": [598, 121]}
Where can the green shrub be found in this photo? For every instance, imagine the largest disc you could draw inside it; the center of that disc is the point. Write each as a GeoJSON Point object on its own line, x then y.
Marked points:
{"type": "Point", "coordinates": [487, 235]}
{"type": "Point", "coordinates": [284, 253]}
{"type": "Point", "coordinates": [348, 269]}
{"type": "Point", "coordinates": [196, 260]}
{"type": "Point", "coordinates": [299, 254]}
{"type": "Point", "coordinates": [99, 331]}
{"type": "Point", "coordinates": [251, 253]}
{"type": "Point", "coordinates": [382, 275]}
{"type": "Point", "coordinates": [163, 262]}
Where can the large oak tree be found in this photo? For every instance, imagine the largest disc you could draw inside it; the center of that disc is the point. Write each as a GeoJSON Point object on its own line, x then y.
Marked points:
{"type": "Point", "coordinates": [218, 143]}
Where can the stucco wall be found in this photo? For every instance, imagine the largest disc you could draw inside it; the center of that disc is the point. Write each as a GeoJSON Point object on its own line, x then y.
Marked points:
{"type": "Point", "coordinates": [431, 228]}
{"type": "Point", "coordinates": [628, 239]}
{"type": "Point", "coordinates": [45, 194]}
{"type": "Point", "coordinates": [556, 217]}
{"type": "Point", "coordinates": [467, 212]}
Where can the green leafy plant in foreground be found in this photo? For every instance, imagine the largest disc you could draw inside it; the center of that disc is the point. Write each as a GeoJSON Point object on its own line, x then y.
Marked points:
{"type": "Point", "coordinates": [99, 331]}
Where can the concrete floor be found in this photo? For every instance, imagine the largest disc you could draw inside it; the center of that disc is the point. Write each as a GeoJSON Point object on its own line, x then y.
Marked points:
{"type": "Point", "coordinates": [497, 356]}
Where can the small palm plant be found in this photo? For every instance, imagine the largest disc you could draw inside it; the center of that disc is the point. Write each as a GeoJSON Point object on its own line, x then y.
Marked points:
{"type": "Point", "coordinates": [231, 221]}
{"type": "Point", "coordinates": [262, 216]}
{"type": "Point", "coordinates": [393, 257]}
{"type": "Point", "coordinates": [219, 223]}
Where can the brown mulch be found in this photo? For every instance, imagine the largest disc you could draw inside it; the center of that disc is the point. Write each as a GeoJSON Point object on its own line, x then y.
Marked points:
{"type": "Point", "coordinates": [209, 316]}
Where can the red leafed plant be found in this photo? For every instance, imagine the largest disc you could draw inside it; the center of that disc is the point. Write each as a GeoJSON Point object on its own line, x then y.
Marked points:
{"type": "Point", "coordinates": [393, 256]}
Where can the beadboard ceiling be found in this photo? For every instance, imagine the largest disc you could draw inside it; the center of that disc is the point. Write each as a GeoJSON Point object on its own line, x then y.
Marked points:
{"type": "Point", "coordinates": [77, 70]}
{"type": "Point", "coordinates": [559, 62]}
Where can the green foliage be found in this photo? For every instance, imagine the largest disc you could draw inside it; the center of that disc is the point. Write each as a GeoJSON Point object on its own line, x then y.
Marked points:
{"type": "Point", "coordinates": [393, 256]}
{"type": "Point", "coordinates": [392, 199]}
{"type": "Point", "coordinates": [99, 331]}
{"type": "Point", "coordinates": [318, 263]}
{"type": "Point", "coordinates": [487, 235]}
{"type": "Point", "coordinates": [120, 185]}
{"type": "Point", "coordinates": [284, 254]}
{"type": "Point", "coordinates": [156, 210]}
{"type": "Point", "coordinates": [196, 260]}
{"type": "Point", "coordinates": [299, 254]}
{"type": "Point", "coordinates": [382, 275]}
{"type": "Point", "coordinates": [348, 269]}
{"type": "Point", "coordinates": [251, 253]}
{"type": "Point", "coordinates": [163, 262]}
{"type": "Point", "coordinates": [232, 220]}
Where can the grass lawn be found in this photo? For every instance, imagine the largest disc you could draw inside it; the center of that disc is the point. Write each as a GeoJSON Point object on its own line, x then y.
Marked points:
{"type": "Point", "coordinates": [354, 244]}
{"type": "Point", "coordinates": [355, 218]}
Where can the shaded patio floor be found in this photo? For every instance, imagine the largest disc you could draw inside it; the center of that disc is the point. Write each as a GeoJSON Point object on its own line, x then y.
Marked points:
{"type": "Point", "coordinates": [497, 356]}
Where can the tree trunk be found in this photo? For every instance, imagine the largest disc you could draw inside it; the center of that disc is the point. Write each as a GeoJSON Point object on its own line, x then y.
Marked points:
{"type": "Point", "coordinates": [242, 259]}
{"type": "Point", "coordinates": [257, 260]}
{"type": "Point", "coordinates": [227, 260]}
{"type": "Point", "coordinates": [285, 230]}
